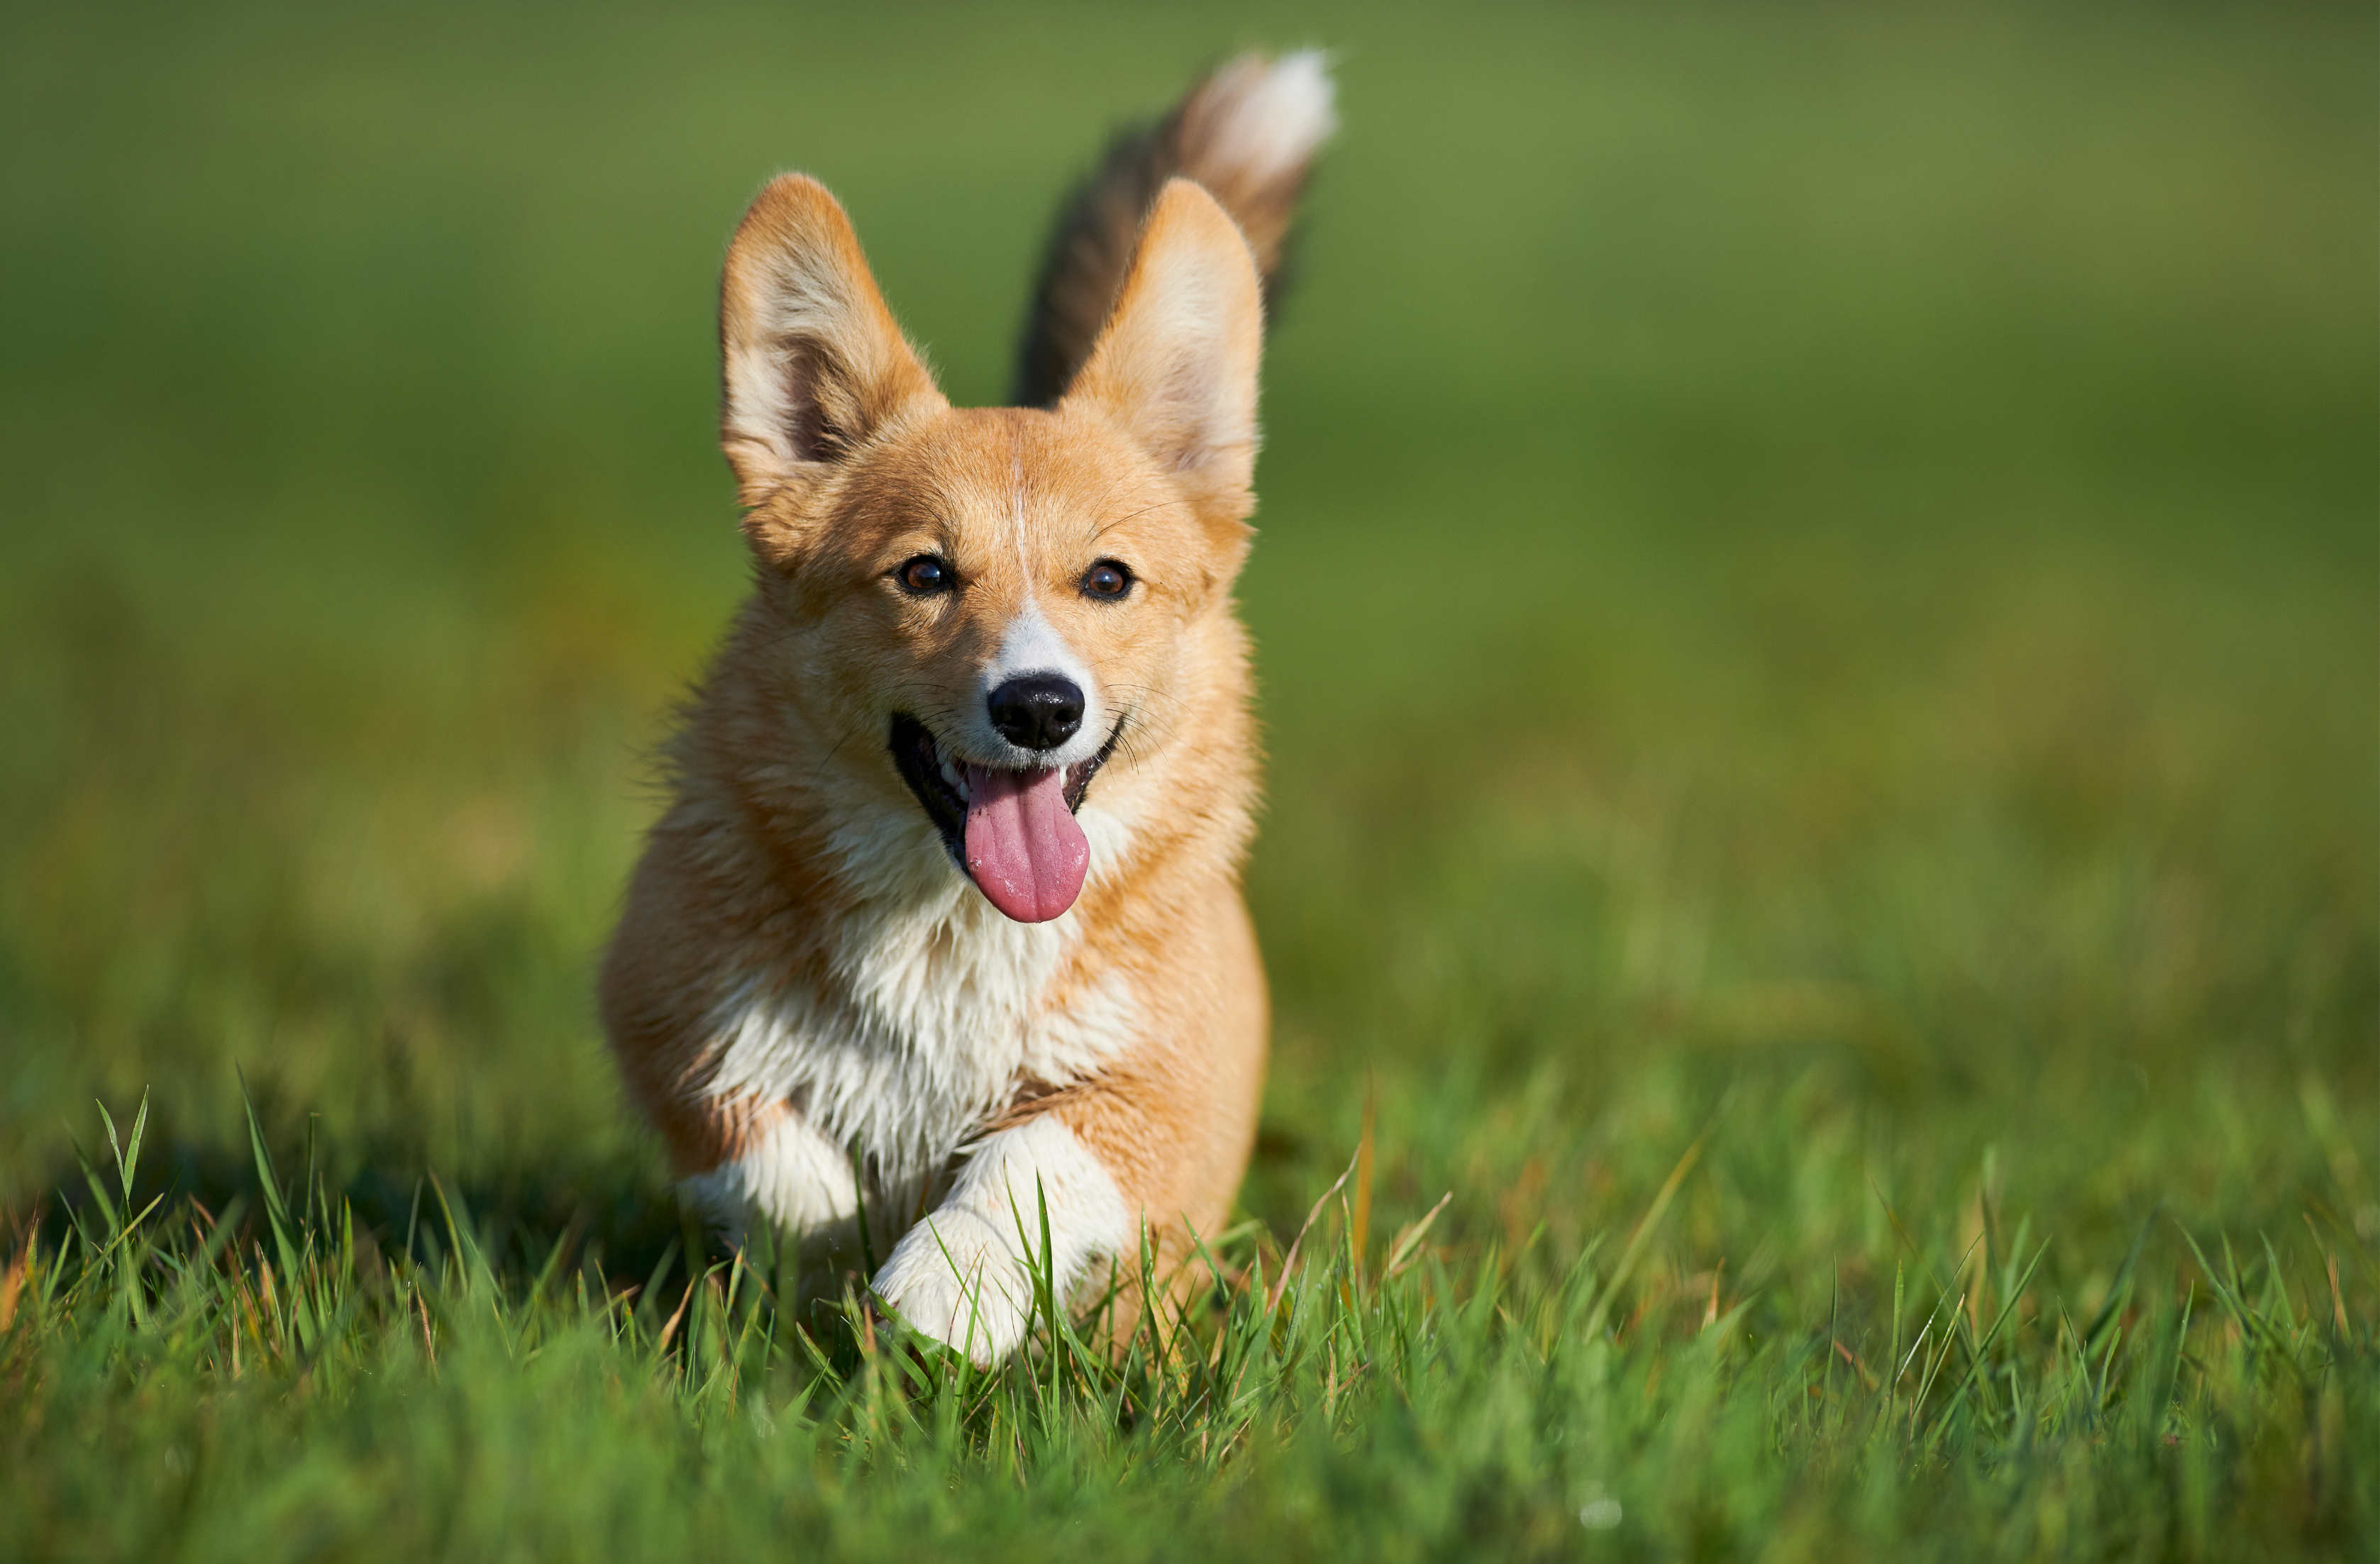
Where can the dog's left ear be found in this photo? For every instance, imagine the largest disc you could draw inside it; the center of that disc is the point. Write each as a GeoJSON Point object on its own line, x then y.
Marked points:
{"type": "Point", "coordinates": [813, 362]}
{"type": "Point", "coordinates": [1176, 366]}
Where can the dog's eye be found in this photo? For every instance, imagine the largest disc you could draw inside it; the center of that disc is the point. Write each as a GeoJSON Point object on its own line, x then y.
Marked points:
{"type": "Point", "coordinates": [924, 575]}
{"type": "Point", "coordinates": [1106, 579]}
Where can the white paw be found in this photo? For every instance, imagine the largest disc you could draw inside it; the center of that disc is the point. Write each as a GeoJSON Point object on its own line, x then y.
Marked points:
{"type": "Point", "coordinates": [960, 1276]}
{"type": "Point", "coordinates": [793, 1177]}
{"type": "Point", "coordinates": [954, 1277]}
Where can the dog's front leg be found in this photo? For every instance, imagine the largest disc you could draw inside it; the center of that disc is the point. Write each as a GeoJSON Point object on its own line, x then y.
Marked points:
{"type": "Point", "coordinates": [784, 1172]}
{"type": "Point", "coordinates": [963, 1276]}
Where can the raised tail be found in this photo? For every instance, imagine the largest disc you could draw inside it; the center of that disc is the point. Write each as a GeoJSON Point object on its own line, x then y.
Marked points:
{"type": "Point", "coordinates": [1248, 132]}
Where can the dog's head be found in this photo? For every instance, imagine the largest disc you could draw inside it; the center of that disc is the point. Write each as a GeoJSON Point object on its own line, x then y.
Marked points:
{"type": "Point", "coordinates": [982, 605]}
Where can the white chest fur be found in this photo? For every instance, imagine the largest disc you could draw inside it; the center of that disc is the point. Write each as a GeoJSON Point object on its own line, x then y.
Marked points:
{"type": "Point", "coordinates": [934, 1008]}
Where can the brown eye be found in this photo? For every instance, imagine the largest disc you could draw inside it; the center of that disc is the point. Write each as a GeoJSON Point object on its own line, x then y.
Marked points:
{"type": "Point", "coordinates": [1106, 579]}
{"type": "Point", "coordinates": [924, 575]}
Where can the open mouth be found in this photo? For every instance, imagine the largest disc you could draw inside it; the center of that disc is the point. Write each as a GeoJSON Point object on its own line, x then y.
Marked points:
{"type": "Point", "coordinates": [1011, 831]}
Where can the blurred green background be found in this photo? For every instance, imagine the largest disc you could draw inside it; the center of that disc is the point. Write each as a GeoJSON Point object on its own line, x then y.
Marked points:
{"type": "Point", "coordinates": [1828, 552]}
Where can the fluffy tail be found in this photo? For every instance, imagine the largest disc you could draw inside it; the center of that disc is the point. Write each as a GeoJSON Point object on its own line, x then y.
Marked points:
{"type": "Point", "coordinates": [1248, 132]}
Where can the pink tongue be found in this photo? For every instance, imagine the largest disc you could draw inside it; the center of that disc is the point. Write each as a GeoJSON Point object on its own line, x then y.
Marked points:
{"type": "Point", "coordinates": [1024, 850]}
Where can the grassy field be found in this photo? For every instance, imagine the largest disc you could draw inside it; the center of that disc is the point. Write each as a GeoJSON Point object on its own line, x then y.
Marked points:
{"type": "Point", "coordinates": [1820, 612]}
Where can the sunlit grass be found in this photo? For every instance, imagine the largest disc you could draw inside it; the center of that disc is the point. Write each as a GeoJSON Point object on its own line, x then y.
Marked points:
{"type": "Point", "coordinates": [1816, 637]}
{"type": "Point", "coordinates": [236, 1378]}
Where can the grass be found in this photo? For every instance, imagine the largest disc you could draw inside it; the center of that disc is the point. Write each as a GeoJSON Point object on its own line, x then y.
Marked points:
{"type": "Point", "coordinates": [1817, 617]}
{"type": "Point", "coordinates": [437, 1402]}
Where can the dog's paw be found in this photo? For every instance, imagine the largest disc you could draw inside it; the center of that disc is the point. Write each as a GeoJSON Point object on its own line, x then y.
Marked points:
{"type": "Point", "coordinates": [954, 1278]}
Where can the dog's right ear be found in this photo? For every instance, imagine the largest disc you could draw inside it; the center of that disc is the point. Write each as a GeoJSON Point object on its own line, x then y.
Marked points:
{"type": "Point", "coordinates": [813, 363]}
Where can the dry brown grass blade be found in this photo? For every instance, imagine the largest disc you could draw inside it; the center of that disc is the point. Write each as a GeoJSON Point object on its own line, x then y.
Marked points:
{"type": "Point", "coordinates": [11, 1285]}
{"type": "Point", "coordinates": [1359, 1228]}
{"type": "Point", "coordinates": [1407, 1243]}
{"type": "Point", "coordinates": [1289, 1261]}
{"type": "Point", "coordinates": [671, 1328]}
{"type": "Point", "coordinates": [1637, 1240]}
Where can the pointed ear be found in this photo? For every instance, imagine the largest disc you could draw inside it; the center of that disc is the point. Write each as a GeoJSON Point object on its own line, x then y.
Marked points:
{"type": "Point", "coordinates": [1176, 366]}
{"type": "Point", "coordinates": [813, 363]}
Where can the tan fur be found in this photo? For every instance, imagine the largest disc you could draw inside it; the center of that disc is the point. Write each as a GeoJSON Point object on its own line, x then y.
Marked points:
{"type": "Point", "coordinates": [792, 836]}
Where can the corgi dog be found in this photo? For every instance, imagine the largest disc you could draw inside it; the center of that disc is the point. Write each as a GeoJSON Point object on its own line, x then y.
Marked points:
{"type": "Point", "coordinates": [943, 927]}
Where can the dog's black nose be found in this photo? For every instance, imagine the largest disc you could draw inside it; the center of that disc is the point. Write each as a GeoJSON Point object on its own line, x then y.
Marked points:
{"type": "Point", "coordinates": [1038, 710]}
